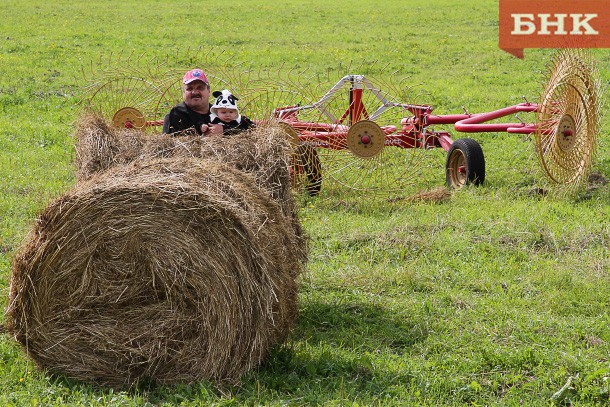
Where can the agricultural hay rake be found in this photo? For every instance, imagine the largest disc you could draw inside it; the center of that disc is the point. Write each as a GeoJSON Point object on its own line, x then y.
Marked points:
{"type": "Point", "coordinates": [361, 136]}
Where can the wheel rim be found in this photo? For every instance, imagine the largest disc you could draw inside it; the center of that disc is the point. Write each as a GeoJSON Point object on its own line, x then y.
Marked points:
{"type": "Point", "coordinates": [566, 132]}
{"type": "Point", "coordinates": [458, 172]}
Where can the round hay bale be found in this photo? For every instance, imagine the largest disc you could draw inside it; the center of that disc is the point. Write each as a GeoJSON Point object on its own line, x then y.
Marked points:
{"type": "Point", "coordinates": [164, 270]}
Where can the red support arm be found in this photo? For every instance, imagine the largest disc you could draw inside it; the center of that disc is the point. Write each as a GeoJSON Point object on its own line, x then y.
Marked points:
{"type": "Point", "coordinates": [476, 123]}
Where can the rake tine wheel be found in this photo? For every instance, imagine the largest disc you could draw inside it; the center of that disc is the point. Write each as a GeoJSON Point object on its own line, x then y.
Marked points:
{"type": "Point", "coordinates": [347, 132]}
{"type": "Point", "coordinates": [124, 101]}
{"type": "Point", "coordinates": [361, 150]}
{"type": "Point", "coordinates": [137, 92]}
{"type": "Point", "coordinates": [121, 91]}
{"type": "Point", "coordinates": [568, 118]}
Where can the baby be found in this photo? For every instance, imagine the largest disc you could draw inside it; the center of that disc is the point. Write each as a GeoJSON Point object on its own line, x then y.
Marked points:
{"type": "Point", "coordinates": [225, 112]}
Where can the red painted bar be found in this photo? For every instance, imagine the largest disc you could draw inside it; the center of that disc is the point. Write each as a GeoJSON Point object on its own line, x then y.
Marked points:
{"type": "Point", "coordinates": [446, 119]}
{"type": "Point", "coordinates": [476, 123]}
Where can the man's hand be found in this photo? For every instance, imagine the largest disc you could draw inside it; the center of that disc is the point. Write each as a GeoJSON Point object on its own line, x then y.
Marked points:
{"type": "Point", "coordinates": [212, 129]}
{"type": "Point", "coordinates": [215, 129]}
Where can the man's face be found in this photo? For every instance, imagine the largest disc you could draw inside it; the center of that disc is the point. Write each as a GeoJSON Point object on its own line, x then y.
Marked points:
{"type": "Point", "coordinates": [226, 115]}
{"type": "Point", "coordinates": [196, 95]}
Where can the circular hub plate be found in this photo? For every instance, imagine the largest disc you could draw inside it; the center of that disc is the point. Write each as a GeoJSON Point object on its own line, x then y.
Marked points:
{"type": "Point", "coordinates": [365, 139]}
{"type": "Point", "coordinates": [128, 117]}
{"type": "Point", "coordinates": [566, 133]}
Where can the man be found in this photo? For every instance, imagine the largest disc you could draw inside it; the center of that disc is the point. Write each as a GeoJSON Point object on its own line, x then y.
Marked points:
{"type": "Point", "coordinates": [194, 111]}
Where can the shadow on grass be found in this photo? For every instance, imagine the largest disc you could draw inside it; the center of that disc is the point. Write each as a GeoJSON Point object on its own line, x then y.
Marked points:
{"type": "Point", "coordinates": [358, 326]}
{"type": "Point", "coordinates": [340, 348]}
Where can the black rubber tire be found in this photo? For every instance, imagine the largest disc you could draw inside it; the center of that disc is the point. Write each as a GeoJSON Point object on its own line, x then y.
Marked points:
{"type": "Point", "coordinates": [465, 164]}
{"type": "Point", "coordinates": [307, 162]}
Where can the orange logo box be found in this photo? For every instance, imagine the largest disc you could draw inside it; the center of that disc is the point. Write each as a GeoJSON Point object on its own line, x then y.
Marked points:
{"type": "Point", "coordinates": [553, 24]}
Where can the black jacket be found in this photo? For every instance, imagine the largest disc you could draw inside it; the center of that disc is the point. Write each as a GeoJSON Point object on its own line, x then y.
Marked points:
{"type": "Point", "coordinates": [234, 126]}
{"type": "Point", "coordinates": [181, 117]}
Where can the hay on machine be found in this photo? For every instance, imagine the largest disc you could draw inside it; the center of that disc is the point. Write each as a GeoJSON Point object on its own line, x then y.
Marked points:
{"type": "Point", "coordinates": [164, 267]}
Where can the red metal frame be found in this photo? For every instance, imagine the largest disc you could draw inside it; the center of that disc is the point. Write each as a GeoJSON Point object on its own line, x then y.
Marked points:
{"type": "Point", "coordinates": [413, 131]}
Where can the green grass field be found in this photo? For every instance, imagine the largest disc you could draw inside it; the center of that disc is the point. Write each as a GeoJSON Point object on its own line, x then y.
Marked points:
{"type": "Point", "coordinates": [496, 297]}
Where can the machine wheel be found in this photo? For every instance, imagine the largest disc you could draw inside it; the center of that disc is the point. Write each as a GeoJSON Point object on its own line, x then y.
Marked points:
{"type": "Point", "coordinates": [465, 164]}
{"type": "Point", "coordinates": [307, 170]}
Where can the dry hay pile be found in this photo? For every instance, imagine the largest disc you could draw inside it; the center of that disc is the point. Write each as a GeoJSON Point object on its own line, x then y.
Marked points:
{"type": "Point", "coordinates": [435, 195]}
{"type": "Point", "coordinates": [261, 151]}
{"type": "Point", "coordinates": [164, 269]}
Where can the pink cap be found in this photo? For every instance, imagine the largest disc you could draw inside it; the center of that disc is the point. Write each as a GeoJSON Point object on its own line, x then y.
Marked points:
{"type": "Point", "coordinates": [194, 75]}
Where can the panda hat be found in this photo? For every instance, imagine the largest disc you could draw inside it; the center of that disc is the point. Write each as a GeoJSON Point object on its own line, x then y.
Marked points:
{"type": "Point", "coordinates": [224, 100]}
